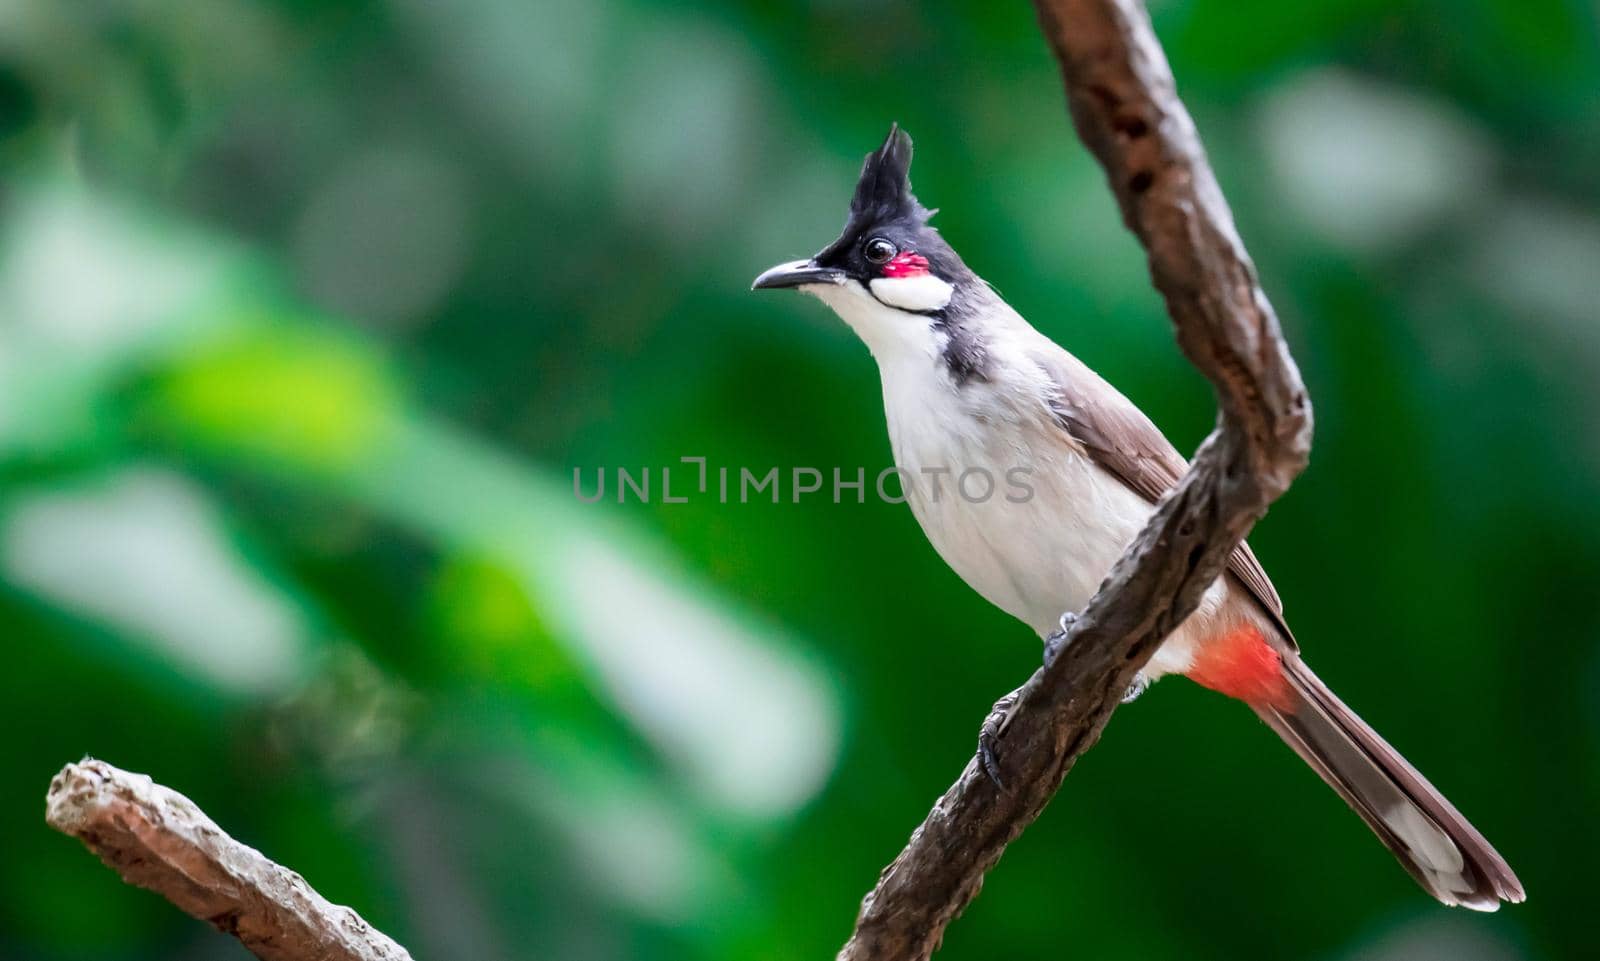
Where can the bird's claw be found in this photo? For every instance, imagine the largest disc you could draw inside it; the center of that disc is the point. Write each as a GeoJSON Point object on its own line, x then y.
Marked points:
{"type": "Point", "coordinates": [995, 724]}
{"type": "Point", "coordinates": [1056, 641]}
{"type": "Point", "coordinates": [989, 737]}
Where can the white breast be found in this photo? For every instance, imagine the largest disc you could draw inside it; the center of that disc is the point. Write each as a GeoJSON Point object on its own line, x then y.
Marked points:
{"type": "Point", "coordinates": [1047, 532]}
{"type": "Point", "coordinates": [1034, 552]}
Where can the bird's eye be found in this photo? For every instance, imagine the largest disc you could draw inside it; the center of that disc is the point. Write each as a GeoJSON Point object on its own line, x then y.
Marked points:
{"type": "Point", "coordinates": [879, 251]}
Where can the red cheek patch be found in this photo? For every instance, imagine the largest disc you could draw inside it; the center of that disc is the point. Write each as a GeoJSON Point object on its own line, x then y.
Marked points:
{"type": "Point", "coordinates": [906, 264]}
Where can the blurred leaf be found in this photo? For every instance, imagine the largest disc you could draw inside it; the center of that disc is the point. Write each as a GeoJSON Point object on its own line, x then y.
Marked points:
{"type": "Point", "coordinates": [488, 626]}
{"type": "Point", "coordinates": [297, 398]}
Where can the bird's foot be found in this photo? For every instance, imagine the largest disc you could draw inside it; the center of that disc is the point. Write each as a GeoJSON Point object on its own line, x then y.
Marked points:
{"type": "Point", "coordinates": [989, 737]}
{"type": "Point", "coordinates": [1056, 641]}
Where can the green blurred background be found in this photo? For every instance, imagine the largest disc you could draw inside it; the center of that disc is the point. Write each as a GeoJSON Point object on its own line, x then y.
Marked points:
{"type": "Point", "coordinates": [308, 312]}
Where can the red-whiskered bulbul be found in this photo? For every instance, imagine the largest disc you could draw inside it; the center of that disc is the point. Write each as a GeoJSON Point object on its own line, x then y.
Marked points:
{"type": "Point", "coordinates": [968, 384]}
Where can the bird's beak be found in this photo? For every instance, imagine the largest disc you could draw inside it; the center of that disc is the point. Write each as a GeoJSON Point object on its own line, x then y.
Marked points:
{"type": "Point", "coordinates": [797, 274]}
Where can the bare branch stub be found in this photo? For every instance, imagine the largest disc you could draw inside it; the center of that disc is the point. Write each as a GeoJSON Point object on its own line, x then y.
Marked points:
{"type": "Point", "coordinates": [1125, 106]}
{"type": "Point", "coordinates": [158, 839]}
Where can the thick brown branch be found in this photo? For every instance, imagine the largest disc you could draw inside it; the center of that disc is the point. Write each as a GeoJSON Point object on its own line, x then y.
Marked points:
{"type": "Point", "coordinates": [1126, 109]}
{"type": "Point", "coordinates": [158, 839]}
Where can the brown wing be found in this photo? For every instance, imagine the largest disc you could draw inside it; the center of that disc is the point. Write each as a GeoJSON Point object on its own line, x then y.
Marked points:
{"type": "Point", "coordinates": [1123, 442]}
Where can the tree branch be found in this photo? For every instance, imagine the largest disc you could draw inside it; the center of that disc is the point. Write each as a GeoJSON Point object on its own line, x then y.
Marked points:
{"type": "Point", "coordinates": [1126, 109]}
{"type": "Point", "coordinates": [158, 839]}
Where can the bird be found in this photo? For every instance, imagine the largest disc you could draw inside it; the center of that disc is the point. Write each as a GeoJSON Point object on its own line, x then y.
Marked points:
{"type": "Point", "coordinates": [1072, 470]}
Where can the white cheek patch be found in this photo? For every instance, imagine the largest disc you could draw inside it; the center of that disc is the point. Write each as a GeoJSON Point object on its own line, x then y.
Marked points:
{"type": "Point", "coordinates": [922, 292]}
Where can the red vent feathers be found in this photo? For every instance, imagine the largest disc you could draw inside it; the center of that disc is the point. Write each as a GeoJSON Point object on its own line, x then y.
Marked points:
{"type": "Point", "coordinates": [1242, 664]}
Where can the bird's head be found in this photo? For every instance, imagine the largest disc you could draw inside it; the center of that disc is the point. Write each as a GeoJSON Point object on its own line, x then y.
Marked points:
{"type": "Point", "coordinates": [889, 275]}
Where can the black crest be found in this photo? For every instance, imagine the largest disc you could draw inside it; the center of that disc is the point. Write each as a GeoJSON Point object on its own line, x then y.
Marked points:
{"type": "Point", "coordinates": [884, 191]}
{"type": "Point", "coordinates": [884, 205]}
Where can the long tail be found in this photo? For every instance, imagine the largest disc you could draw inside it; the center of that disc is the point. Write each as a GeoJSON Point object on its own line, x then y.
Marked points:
{"type": "Point", "coordinates": [1446, 855]}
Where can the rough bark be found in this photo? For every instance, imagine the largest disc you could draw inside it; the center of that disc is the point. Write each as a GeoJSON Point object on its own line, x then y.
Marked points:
{"type": "Point", "coordinates": [158, 839]}
{"type": "Point", "coordinates": [1125, 106]}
